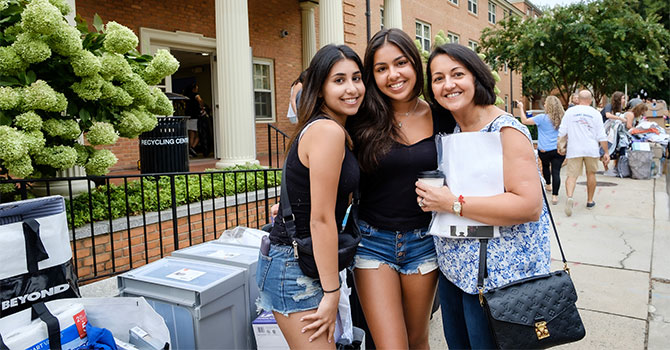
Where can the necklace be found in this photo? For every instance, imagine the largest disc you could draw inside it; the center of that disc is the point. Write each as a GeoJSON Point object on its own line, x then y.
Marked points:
{"type": "Point", "coordinates": [408, 113]}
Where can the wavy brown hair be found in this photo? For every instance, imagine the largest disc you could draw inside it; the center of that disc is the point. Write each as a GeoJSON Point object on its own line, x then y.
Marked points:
{"type": "Point", "coordinates": [373, 129]}
{"type": "Point", "coordinates": [554, 109]}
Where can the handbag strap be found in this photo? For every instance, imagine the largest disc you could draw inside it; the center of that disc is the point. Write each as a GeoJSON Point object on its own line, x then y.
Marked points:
{"type": "Point", "coordinates": [483, 244]}
{"type": "Point", "coordinates": [287, 212]}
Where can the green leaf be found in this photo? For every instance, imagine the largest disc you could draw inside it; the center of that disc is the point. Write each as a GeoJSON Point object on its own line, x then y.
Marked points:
{"type": "Point", "coordinates": [31, 77]}
{"type": "Point", "coordinates": [9, 81]}
{"type": "Point", "coordinates": [84, 115]}
{"type": "Point", "coordinates": [5, 119]}
{"type": "Point", "coordinates": [97, 23]}
{"type": "Point", "coordinates": [82, 26]}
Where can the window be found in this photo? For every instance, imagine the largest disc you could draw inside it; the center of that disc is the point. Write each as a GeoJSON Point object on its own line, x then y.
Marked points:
{"type": "Point", "coordinates": [453, 38]}
{"type": "Point", "coordinates": [381, 18]}
{"type": "Point", "coordinates": [264, 105]}
{"type": "Point", "coordinates": [492, 12]}
{"type": "Point", "coordinates": [472, 6]}
{"type": "Point", "coordinates": [506, 104]}
{"type": "Point", "coordinates": [423, 34]}
{"type": "Point", "coordinates": [455, 2]}
{"type": "Point", "coordinates": [473, 45]}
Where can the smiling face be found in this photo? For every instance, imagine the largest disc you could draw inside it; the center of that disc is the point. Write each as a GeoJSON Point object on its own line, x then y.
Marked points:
{"type": "Point", "coordinates": [452, 84]}
{"type": "Point", "coordinates": [393, 72]}
{"type": "Point", "coordinates": [343, 90]}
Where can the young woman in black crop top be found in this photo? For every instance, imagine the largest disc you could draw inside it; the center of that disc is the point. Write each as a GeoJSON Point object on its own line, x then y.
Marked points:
{"type": "Point", "coordinates": [321, 173]}
{"type": "Point", "coordinates": [395, 265]}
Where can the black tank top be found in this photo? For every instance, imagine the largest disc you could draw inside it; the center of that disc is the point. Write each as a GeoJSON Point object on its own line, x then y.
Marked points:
{"type": "Point", "coordinates": [298, 182]}
{"type": "Point", "coordinates": [388, 196]}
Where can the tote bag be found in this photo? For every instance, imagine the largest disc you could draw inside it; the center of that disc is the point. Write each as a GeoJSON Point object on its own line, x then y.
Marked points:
{"type": "Point", "coordinates": [35, 254]}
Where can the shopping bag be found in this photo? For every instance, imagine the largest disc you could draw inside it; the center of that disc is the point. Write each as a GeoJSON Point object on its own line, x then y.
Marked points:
{"type": "Point", "coordinates": [35, 254]}
{"type": "Point", "coordinates": [118, 315]}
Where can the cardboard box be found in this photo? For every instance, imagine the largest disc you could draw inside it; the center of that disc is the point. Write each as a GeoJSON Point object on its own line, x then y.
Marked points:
{"type": "Point", "coordinates": [656, 109]}
{"type": "Point", "coordinates": [267, 333]}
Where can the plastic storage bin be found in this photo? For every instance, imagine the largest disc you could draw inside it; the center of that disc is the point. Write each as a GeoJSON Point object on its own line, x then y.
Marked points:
{"type": "Point", "coordinates": [233, 255]}
{"type": "Point", "coordinates": [204, 305]}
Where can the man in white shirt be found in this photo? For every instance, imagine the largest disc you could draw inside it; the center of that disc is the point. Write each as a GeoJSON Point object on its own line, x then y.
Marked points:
{"type": "Point", "coordinates": [584, 127]}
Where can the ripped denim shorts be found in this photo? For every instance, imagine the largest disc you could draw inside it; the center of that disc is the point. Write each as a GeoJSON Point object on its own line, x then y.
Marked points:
{"type": "Point", "coordinates": [282, 285]}
{"type": "Point", "coordinates": [408, 252]}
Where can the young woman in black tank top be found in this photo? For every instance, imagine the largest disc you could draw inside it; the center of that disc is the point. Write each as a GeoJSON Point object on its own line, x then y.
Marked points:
{"type": "Point", "coordinates": [395, 266]}
{"type": "Point", "coordinates": [321, 173]}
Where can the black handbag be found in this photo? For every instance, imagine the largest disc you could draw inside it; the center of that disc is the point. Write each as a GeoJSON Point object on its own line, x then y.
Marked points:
{"type": "Point", "coordinates": [347, 238]}
{"type": "Point", "coordinates": [535, 312]}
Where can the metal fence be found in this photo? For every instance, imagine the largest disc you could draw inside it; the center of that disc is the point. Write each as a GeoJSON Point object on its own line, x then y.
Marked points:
{"type": "Point", "coordinates": [277, 141]}
{"type": "Point", "coordinates": [121, 222]}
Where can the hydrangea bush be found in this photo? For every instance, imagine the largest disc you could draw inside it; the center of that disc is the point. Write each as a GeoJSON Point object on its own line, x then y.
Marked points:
{"type": "Point", "coordinates": [58, 82]}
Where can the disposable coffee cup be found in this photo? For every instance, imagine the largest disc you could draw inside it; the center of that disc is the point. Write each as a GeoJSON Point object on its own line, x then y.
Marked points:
{"type": "Point", "coordinates": [433, 178]}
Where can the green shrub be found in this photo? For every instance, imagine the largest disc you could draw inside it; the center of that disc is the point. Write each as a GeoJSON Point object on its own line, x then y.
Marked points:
{"type": "Point", "coordinates": [224, 185]}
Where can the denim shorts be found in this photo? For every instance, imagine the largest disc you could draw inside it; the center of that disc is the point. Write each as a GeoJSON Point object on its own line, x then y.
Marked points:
{"type": "Point", "coordinates": [408, 252]}
{"type": "Point", "coordinates": [282, 285]}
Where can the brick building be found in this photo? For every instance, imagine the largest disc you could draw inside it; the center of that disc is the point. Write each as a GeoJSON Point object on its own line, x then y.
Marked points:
{"type": "Point", "coordinates": [244, 54]}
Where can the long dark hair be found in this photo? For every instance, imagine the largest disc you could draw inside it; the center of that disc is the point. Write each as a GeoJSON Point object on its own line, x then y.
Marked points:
{"type": "Point", "coordinates": [484, 82]}
{"type": "Point", "coordinates": [311, 103]}
{"type": "Point", "coordinates": [617, 107]}
{"type": "Point", "coordinates": [373, 128]}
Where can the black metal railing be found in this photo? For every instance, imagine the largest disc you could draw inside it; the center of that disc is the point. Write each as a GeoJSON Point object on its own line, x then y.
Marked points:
{"type": "Point", "coordinates": [277, 142]}
{"type": "Point", "coordinates": [123, 221]}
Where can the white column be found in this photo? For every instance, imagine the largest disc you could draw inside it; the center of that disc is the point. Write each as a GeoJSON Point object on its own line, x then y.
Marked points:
{"type": "Point", "coordinates": [72, 14]}
{"type": "Point", "coordinates": [236, 138]}
{"type": "Point", "coordinates": [308, 32]}
{"type": "Point", "coordinates": [392, 14]}
{"type": "Point", "coordinates": [331, 22]}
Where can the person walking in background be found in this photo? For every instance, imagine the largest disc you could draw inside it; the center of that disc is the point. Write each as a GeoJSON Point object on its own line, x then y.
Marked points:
{"type": "Point", "coordinates": [584, 127]}
{"type": "Point", "coordinates": [614, 109]}
{"type": "Point", "coordinates": [547, 136]}
{"type": "Point", "coordinates": [296, 91]}
{"type": "Point", "coordinates": [463, 84]}
{"type": "Point", "coordinates": [395, 268]}
{"type": "Point", "coordinates": [195, 109]}
{"type": "Point", "coordinates": [321, 173]}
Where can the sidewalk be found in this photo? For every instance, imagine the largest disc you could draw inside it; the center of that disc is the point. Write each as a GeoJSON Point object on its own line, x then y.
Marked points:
{"type": "Point", "coordinates": [619, 258]}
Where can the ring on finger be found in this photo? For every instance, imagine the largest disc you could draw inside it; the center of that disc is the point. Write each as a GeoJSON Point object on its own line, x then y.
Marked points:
{"type": "Point", "coordinates": [421, 203]}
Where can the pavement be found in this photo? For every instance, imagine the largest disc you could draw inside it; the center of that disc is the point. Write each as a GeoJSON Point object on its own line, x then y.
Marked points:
{"type": "Point", "coordinates": [619, 259]}
{"type": "Point", "coordinates": [619, 256]}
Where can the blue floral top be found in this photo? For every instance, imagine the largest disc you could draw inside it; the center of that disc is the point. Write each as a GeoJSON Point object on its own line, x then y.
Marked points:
{"type": "Point", "coordinates": [521, 250]}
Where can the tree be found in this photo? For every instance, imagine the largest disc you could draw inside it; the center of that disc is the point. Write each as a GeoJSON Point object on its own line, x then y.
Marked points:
{"type": "Point", "coordinates": [601, 45]}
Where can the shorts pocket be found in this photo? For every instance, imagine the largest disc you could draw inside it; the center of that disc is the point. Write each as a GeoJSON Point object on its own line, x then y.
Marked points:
{"type": "Point", "coordinates": [264, 263]}
{"type": "Point", "coordinates": [366, 230]}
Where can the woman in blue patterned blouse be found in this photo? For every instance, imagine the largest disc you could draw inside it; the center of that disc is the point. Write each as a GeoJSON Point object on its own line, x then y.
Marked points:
{"type": "Point", "coordinates": [463, 84]}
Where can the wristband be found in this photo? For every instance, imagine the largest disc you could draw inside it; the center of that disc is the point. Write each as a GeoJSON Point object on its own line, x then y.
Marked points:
{"type": "Point", "coordinates": [334, 290]}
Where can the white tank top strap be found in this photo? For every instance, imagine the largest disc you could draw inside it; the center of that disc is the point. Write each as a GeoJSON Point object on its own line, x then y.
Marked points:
{"type": "Point", "coordinates": [307, 127]}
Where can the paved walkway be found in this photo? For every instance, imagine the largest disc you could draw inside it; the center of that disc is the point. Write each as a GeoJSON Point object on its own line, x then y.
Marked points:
{"type": "Point", "coordinates": [619, 256]}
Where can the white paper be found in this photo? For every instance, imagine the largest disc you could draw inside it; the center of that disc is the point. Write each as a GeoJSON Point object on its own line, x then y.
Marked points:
{"type": "Point", "coordinates": [185, 274]}
{"type": "Point", "coordinates": [472, 163]}
{"type": "Point", "coordinates": [221, 254]}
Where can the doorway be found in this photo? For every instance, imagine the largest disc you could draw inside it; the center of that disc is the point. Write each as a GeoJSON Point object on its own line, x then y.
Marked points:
{"type": "Point", "coordinates": [195, 67]}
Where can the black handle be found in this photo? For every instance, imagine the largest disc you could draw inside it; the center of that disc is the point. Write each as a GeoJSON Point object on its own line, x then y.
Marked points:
{"type": "Point", "coordinates": [53, 327]}
{"type": "Point", "coordinates": [35, 251]}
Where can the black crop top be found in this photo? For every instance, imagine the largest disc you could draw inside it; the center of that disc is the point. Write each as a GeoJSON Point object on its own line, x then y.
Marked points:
{"type": "Point", "coordinates": [388, 194]}
{"type": "Point", "coordinates": [298, 182]}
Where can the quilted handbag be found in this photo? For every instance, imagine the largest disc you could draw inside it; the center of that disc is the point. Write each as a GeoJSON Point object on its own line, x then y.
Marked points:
{"type": "Point", "coordinates": [532, 313]}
